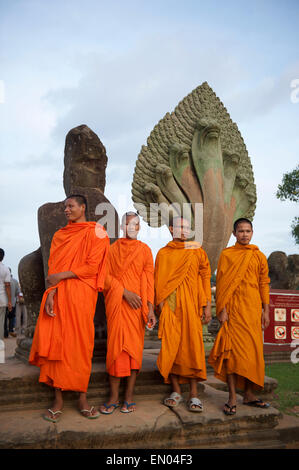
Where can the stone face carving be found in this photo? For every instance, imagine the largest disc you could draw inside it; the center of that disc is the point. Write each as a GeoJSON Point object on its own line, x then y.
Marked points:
{"type": "Point", "coordinates": [284, 270]}
{"type": "Point", "coordinates": [196, 155]}
{"type": "Point", "coordinates": [85, 166]}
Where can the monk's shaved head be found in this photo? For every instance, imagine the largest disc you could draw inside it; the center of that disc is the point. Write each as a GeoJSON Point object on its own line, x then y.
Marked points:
{"type": "Point", "coordinates": [128, 214]}
{"type": "Point", "coordinates": [79, 198]}
{"type": "Point", "coordinates": [241, 221]}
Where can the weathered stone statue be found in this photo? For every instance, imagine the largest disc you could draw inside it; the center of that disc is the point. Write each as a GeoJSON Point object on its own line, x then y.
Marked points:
{"type": "Point", "coordinates": [196, 155]}
{"type": "Point", "coordinates": [85, 162]}
{"type": "Point", "coordinates": [284, 270]}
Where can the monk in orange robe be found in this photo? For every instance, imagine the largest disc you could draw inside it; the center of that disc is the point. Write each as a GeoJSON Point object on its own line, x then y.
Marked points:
{"type": "Point", "coordinates": [129, 298]}
{"type": "Point", "coordinates": [242, 307]}
{"type": "Point", "coordinates": [183, 298]}
{"type": "Point", "coordinates": [64, 335]}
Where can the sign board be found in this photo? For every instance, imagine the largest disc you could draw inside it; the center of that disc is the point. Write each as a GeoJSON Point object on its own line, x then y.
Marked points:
{"type": "Point", "coordinates": [284, 317]}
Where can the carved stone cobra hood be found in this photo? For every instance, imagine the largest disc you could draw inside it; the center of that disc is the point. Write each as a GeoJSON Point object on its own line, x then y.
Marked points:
{"type": "Point", "coordinates": [196, 154]}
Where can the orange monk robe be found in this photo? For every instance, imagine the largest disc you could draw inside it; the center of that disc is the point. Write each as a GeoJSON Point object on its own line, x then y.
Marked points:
{"type": "Point", "coordinates": [242, 285]}
{"type": "Point", "coordinates": [63, 345]}
{"type": "Point", "coordinates": [182, 282]}
{"type": "Point", "coordinates": [130, 266]}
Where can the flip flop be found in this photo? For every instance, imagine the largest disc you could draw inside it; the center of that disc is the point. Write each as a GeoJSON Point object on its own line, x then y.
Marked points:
{"type": "Point", "coordinates": [90, 415]}
{"type": "Point", "coordinates": [257, 403]}
{"type": "Point", "coordinates": [195, 401]}
{"type": "Point", "coordinates": [127, 405]}
{"type": "Point", "coordinates": [176, 397]}
{"type": "Point", "coordinates": [115, 405]}
{"type": "Point", "coordinates": [232, 410]}
{"type": "Point", "coordinates": [53, 413]}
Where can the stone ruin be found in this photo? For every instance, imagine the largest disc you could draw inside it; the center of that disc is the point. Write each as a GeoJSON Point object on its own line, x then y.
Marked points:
{"type": "Point", "coordinates": [284, 270]}
{"type": "Point", "coordinates": [85, 162]}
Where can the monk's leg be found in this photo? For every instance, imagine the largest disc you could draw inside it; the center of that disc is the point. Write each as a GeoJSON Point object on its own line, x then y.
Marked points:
{"type": "Point", "coordinates": [57, 405]}
{"type": "Point", "coordinates": [175, 387]}
{"type": "Point", "coordinates": [83, 405]}
{"type": "Point", "coordinates": [232, 394]}
{"type": "Point", "coordinates": [129, 392]}
{"type": "Point", "coordinates": [193, 392]}
{"type": "Point", "coordinates": [250, 397]}
{"type": "Point", "coordinates": [114, 393]}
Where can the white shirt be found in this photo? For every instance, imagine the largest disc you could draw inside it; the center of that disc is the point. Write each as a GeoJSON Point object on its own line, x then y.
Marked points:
{"type": "Point", "coordinates": [4, 277]}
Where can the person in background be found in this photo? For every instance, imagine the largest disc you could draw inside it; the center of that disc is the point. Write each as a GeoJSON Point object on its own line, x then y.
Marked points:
{"type": "Point", "coordinates": [21, 315]}
{"type": "Point", "coordinates": [10, 317]}
{"type": "Point", "coordinates": [5, 293]}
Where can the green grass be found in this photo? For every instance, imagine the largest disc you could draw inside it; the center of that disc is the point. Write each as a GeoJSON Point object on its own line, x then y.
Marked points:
{"type": "Point", "coordinates": [286, 395]}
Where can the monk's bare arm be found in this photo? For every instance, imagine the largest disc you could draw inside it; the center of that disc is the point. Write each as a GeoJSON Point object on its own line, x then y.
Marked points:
{"type": "Point", "coordinates": [49, 305]}
{"type": "Point", "coordinates": [54, 279]}
{"type": "Point", "coordinates": [151, 318]}
{"type": "Point", "coordinates": [8, 293]}
{"type": "Point", "coordinates": [265, 316]}
{"type": "Point", "coordinates": [207, 313]}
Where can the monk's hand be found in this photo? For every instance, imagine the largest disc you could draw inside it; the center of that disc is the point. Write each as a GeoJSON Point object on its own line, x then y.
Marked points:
{"type": "Point", "coordinates": [50, 304]}
{"type": "Point", "coordinates": [151, 318]}
{"type": "Point", "coordinates": [54, 279]}
{"type": "Point", "coordinates": [207, 314]}
{"type": "Point", "coordinates": [223, 316]}
{"type": "Point", "coordinates": [265, 317]}
{"type": "Point", "coordinates": [133, 299]}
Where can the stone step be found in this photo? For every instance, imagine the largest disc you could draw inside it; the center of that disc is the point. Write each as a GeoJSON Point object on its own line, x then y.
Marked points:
{"type": "Point", "coordinates": [151, 426]}
{"type": "Point", "coordinates": [20, 389]}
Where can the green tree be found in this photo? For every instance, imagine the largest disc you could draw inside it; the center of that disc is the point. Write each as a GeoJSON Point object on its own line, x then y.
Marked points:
{"type": "Point", "coordinates": [289, 189]}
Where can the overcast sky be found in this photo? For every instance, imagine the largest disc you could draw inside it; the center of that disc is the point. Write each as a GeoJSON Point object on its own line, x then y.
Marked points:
{"type": "Point", "coordinates": [118, 67]}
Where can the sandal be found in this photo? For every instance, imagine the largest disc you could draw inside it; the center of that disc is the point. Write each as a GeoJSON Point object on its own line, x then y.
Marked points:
{"type": "Point", "coordinates": [176, 397]}
{"type": "Point", "coordinates": [53, 413]}
{"type": "Point", "coordinates": [91, 416]}
{"type": "Point", "coordinates": [128, 406]}
{"type": "Point", "coordinates": [257, 403]}
{"type": "Point", "coordinates": [231, 409]}
{"type": "Point", "coordinates": [195, 402]}
{"type": "Point", "coordinates": [114, 405]}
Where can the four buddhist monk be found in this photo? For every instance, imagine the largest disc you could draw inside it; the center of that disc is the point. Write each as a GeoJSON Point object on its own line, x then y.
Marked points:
{"type": "Point", "coordinates": [129, 298]}
{"type": "Point", "coordinates": [64, 336]}
{"type": "Point", "coordinates": [183, 298]}
{"type": "Point", "coordinates": [242, 307]}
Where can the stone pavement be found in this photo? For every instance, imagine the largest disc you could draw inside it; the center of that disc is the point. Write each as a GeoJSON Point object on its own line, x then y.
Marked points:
{"type": "Point", "coordinates": [152, 426]}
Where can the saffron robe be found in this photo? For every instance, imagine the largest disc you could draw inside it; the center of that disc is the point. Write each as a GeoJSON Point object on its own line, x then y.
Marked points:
{"type": "Point", "coordinates": [182, 281]}
{"type": "Point", "coordinates": [130, 266]}
{"type": "Point", "coordinates": [242, 285]}
{"type": "Point", "coordinates": [63, 345]}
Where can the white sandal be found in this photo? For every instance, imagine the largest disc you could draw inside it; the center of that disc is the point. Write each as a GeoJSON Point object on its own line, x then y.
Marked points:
{"type": "Point", "coordinates": [91, 416]}
{"type": "Point", "coordinates": [176, 397]}
{"type": "Point", "coordinates": [53, 413]}
{"type": "Point", "coordinates": [195, 402]}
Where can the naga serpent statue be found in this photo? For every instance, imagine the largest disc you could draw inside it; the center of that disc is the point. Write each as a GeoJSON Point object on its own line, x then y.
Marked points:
{"type": "Point", "coordinates": [196, 154]}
